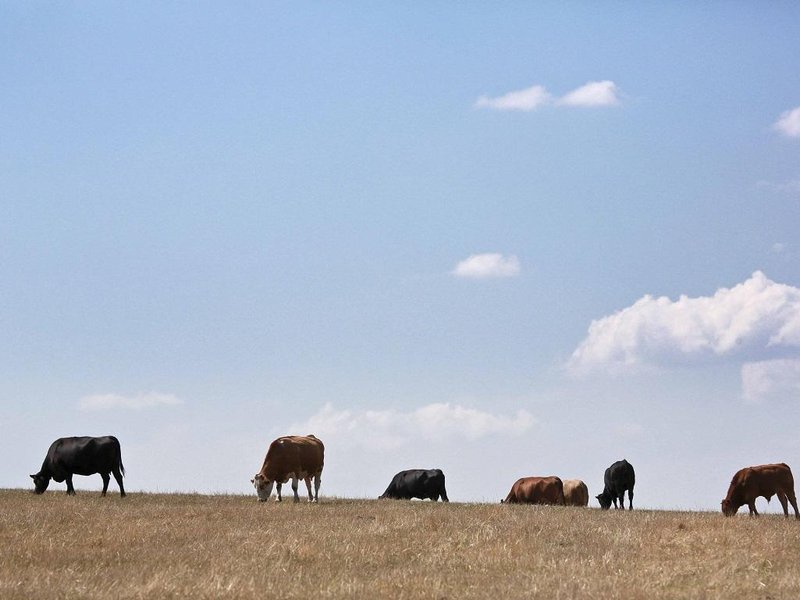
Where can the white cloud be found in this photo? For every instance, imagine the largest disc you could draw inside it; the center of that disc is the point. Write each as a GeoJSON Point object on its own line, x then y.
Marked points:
{"type": "Point", "coordinates": [594, 93]}
{"type": "Point", "coordinates": [756, 316]}
{"type": "Point", "coordinates": [788, 123]}
{"type": "Point", "coordinates": [485, 266]}
{"type": "Point", "coordinates": [116, 401]}
{"type": "Point", "coordinates": [771, 380]}
{"type": "Point", "coordinates": [526, 100]}
{"type": "Point", "coordinates": [391, 429]}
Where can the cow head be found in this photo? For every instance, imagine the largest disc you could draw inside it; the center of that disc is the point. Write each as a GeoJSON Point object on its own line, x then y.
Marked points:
{"type": "Point", "coordinates": [40, 483]}
{"type": "Point", "coordinates": [727, 508]}
{"type": "Point", "coordinates": [263, 487]}
{"type": "Point", "coordinates": [605, 500]}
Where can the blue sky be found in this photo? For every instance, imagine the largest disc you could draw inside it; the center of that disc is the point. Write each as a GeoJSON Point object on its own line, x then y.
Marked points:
{"type": "Point", "coordinates": [395, 225]}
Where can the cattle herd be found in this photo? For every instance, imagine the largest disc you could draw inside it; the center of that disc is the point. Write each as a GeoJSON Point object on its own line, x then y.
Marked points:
{"type": "Point", "coordinates": [302, 457]}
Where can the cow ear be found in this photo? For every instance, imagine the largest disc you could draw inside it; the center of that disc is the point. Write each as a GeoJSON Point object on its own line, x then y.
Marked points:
{"type": "Point", "coordinates": [33, 476]}
{"type": "Point", "coordinates": [252, 480]}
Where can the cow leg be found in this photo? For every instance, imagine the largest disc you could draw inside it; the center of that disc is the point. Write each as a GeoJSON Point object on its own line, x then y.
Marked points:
{"type": "Point", "coordinates": [118, 478]}
{"type": "Point", "coordinates": [70, 489]}
{"type": "Point", "coordinates": [444, 496]}
{"type": "Point", "coordinates": [308, 487]}
{"type": "Point", "coordinates": [784, 504]}
{"type": "Point", "coordinates": [295, 482]}
{"type": "Point", "coordinates": [630, 499]}
{"type": "Point", "coordinates": [318, 480]}
{"type": "Point", "coordinates": [793, 500]}
{"type": "Point", "coordinates": [752, 506]}
{"type": "Point", "coordinates": [278, 485]}
{"type": "Point", "coordinates": [106, 479]}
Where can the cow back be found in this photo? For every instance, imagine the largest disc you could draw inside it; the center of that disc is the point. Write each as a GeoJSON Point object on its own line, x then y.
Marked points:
{"type": "Point", "coordinates": [301, 455]}
{"type": "Point", "coordinates": [83, 456]}
{"type": "Point", "coordinates": [575, 493]}
{"type": "Point", "coordinates": [761, 480]}
{"type": "Point", "coordinates": [537, 490]}
{"type": "Point", "coordinates": [619, 477]}
{"type": "Point", "coordinates": [416, 483]}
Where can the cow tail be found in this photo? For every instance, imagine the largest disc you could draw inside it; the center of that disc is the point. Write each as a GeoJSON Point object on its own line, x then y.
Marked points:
{"type": "Point", "coordinates": [119, 460]}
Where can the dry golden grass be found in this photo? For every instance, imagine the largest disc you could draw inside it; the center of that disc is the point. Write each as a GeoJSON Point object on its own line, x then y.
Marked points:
{"type": "Point", "coordinates": [162, 546]}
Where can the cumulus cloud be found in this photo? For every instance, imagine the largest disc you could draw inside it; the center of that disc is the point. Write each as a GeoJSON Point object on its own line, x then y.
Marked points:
{"type": "Point", "coordinates": [594, 93]}
{"type": "Point", "coordinates": [771, 380]}
{"type": "Point", "coordinates": [755, 316]}
{"type": "Point", "coordinates": [118, 401]}
{"type": "Point", "coordinates": [486, 266]}
{"type": "Point", "coordinates": [591, 94]}
{"type": "Point", "coordinates": [390, 429]}
{"type": "Point", "coordinates": [788, 123]}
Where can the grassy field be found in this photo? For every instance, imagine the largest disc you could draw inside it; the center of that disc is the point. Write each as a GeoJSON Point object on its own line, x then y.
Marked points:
{"type": "Point", "coordinates": [162, 546]}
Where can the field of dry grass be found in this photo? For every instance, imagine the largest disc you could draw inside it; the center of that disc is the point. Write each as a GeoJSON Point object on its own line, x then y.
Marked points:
{"type": "Point", "coordinates": [161, 546]}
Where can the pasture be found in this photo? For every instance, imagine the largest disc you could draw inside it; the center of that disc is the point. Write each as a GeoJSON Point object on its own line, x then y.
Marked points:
{"type": "Point", "coordinates": [196, 546]}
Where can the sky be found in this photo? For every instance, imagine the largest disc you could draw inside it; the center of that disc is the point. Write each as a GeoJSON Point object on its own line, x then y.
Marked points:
{"type": "Point", "coordinates": [500, 239]}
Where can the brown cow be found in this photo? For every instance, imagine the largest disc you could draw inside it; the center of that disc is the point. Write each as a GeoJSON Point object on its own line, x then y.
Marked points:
{"type": "Point", "coordinates": [536, 490]}
{"type": "Point", "coordinates": [291, 457]}
{"type": "Point", "coordinates": [764, 480]}
{"type": "Point", "coordinates": [575, 493]}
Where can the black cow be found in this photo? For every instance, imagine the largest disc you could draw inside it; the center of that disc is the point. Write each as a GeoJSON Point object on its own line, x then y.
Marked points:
{"type": "Point", "coordinates": [81, 456]}
{"type": "Point", "coordinates": [417, 483]}
{"type": "Point", "coordinates": [618, 478]}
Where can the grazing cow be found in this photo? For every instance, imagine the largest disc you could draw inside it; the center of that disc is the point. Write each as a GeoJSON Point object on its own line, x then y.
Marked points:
{"type": "Point", "coordinates": [764, 480]}
{"type": "Point", "coordinates": [618, 478]}
{"type": "Point", "coordinates": [417, 483]}
{"type": "Point", "coordinates": [575, 493]}
{"type": "Point", "coordinates": [536, 490]}
{"type": "Point", "coordinates": [292, 457]}
{"type": "Point", "coordinates": [81, 456]}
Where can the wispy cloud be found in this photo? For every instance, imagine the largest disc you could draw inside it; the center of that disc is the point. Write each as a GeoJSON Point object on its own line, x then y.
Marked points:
{"type": "Point", "coordinates": [118, 401]}
{"type": "Point", "coordinates": [390, 429]}
{"type": "Point", "coordinates": [771, 380]}
{"type": "Point", "coordinates": [788, 123]}
{"type": "Point", "coordinates": [591, 94]}
{"type": "Point", "coordinates": [486, 266]}
{"type": "Point", "coordinates": [525, 100]}
{"type": "Point", "coordinates": [757, 316]}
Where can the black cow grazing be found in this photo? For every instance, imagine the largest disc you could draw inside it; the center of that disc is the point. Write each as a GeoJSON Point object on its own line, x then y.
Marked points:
{"type": "Point", "coordinates": [81, 456]}
{"type": "Point", "coordinates": [417, 483]}
{"type": "Point", "coordinates": [618, 478]}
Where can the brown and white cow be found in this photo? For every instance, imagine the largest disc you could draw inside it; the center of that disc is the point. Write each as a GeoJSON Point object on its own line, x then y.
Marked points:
{"type": "Point", "coordinates": [764, 480]}
{"type": "Point", "coordinates": [292, 457]}
{"type": "Point", "coordinates": [575, 493]}
{"type": "Point", "coordinates": [536, 490]}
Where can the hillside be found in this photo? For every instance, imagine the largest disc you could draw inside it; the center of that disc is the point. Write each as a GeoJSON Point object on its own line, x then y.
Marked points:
{"type": "Point", "coordinates": [151, 546]}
